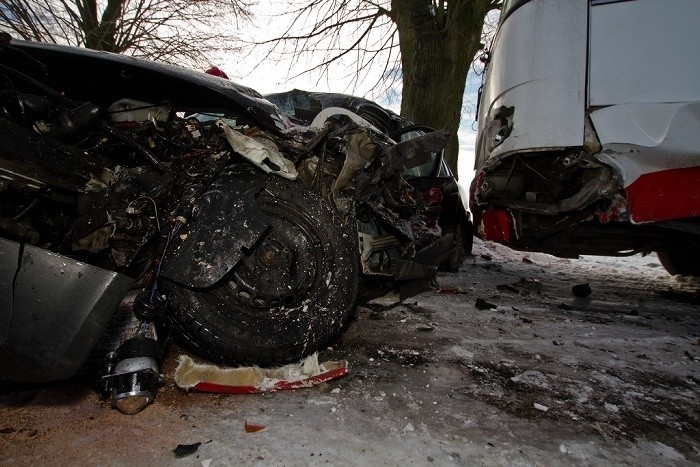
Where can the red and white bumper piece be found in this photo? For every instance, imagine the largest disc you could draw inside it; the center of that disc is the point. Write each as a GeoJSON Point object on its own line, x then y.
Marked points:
{"type": "Point", "coordinates": [192, 376]}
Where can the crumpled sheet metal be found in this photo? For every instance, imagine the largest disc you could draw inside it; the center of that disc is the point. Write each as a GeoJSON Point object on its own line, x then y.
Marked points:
{"type": "Point", "coordinates": [360, 151]}
{"type": "Point", "coordinates": [417, 151]}
{"type": "Point", "coordinates": [192, 376]}
{"type": "Point", "coordinates": [370, 167]}
{"type": "Point", "coordinates": [327, 113]}
{"type": "Point", "coordinates": [266, 157]}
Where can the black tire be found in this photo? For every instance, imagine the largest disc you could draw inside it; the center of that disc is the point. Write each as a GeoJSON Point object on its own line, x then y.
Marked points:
{"type": "Point", "coordinates": [458, 251]}
{"type": "Point", "coordinates": [287, 297]}
{"type": "Point", "coordinates": [685, 264]}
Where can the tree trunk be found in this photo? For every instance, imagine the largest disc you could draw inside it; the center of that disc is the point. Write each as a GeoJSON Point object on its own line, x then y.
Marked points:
{"type": "Point", "coordinates": [437, 48]}
{"type": "Point", "coordinates": [100, 34]}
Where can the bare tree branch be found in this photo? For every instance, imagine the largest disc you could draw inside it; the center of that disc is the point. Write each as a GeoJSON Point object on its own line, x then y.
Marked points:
{"type": "Point", "coordinates": [428, 45]}
{"type": "Point", "coordinates": [176, 31]}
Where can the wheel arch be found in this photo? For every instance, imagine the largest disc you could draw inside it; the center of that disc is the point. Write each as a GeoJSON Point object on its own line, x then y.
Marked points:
{"type": "Point", "coordinates": [222, 221]}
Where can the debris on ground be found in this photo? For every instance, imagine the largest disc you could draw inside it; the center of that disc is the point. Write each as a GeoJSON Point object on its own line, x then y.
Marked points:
{"type": "Point", "coordinates": [192, 376]}
{"type": "Point", "coordinates": [507, 288]}
{"type": "Point", "coordinates": [485, 370]}
{"type": "Point", "coordinates": [252, 428]}
{"type": "Point", "coordinates": [375, 315]}
{"type": "Point", "coordinates": [581, 290]}
{"type": "Point", "coordinates": [482, 304]}
{"type": "Point", "coordinates": [541, 407]}
{"type": "Point", "coordinates": [184, 450]}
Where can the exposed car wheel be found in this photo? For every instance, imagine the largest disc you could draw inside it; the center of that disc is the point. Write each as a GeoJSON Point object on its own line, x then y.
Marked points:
{"type": "Point", "coordinates": [685, 264]}
{"type": "Point", "coordinates": [287, 297]}
{"type": "Point", "coordinates": [458, 251]}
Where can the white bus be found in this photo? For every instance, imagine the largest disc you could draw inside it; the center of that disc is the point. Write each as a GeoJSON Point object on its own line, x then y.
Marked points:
{"type": "Point", "coordinates": [589, 130]}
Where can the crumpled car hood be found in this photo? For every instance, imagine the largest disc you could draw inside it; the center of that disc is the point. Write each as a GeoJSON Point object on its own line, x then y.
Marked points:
{"type": "Point", "coordinates": [112, 75]}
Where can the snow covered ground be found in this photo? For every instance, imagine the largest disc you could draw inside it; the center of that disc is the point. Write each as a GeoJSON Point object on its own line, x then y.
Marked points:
{"type": "Point", "coordinates": [501, 366]}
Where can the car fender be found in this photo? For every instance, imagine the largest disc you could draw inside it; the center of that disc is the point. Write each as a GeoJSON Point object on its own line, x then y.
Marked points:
{"type": "Point", "coordinates": [223, 221]}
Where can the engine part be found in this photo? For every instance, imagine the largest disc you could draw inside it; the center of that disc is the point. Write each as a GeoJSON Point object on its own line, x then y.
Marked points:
{"type": "Point", "coordinates": [71, 123]}
{"type": "Point", "coordinates": [150, 305]}
{"type": "Point", "coordinates": [135, 376]}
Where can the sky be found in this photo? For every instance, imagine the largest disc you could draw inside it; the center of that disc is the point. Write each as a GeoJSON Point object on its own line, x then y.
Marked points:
{"type": "Point", "coordinates": [268, 73]}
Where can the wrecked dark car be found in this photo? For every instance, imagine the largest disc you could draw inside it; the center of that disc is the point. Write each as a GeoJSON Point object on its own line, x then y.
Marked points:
{"type": "Point", "coordinates": [433, 183]}
{"type": "Point", "coordinates": [243, 231]}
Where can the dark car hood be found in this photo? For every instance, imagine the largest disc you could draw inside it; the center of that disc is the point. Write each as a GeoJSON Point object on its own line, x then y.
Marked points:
{"type": "Point", "coordinates": [84, 74]}
{"type": "Point", "coordinates": [305, 105]}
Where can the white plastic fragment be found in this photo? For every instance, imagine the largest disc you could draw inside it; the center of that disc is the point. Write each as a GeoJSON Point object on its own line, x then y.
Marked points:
{"type": "Point", "coordinates": [132, 110]}
{"type": "Point", "coordinates": [327, 113]}
{"type": "Point", "coordinates": [267, 157]}
{"type": "Point", "coordinates": [541, 407]}
{"type": "Point", "coordinates": [190, 375]}
{"type": "Point", "coordinates": [612, 408]}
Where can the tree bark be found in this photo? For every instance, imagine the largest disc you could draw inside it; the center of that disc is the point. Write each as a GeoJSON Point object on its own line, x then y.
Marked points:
{"type": "Point", "coordinates": [438, 41]}
{"type": "Point", "coordinates": [100, 33]}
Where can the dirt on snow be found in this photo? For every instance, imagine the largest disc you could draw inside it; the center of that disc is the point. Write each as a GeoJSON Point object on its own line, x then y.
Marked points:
{"type": "Point", "coordinates": [501, 365]}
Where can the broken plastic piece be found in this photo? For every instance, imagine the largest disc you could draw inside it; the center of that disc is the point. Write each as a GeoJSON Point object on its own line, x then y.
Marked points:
{"type": "Point", "coordinates": [268, 158]}
{"type": "Point", "coordinates": [329, 112]}
{"type": "Point", "coordinates": [541, 407]}
{"type": "Point", "coordinates": [215, 71]}
{"type": "Point", "coordinates": [193, 376]}
{"type": "Point", "coordinates": [184, 450]}
{"type": "Point", "coordinates": [482, 304]}
{"type": "Point", "coordinates": [496, 226]}
{"type": "Point", "coordinates": [252, 428]}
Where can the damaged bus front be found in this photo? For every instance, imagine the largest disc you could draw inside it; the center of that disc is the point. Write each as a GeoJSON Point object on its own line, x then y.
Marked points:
{"type": "Point", "coordinates": [588, 130]}
{"type": "Point", "coordinates": [244, 232]}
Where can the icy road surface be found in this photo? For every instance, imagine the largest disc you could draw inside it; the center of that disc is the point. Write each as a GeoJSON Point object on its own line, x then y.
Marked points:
{"type": "Point", "coordinates": [533, 375]}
